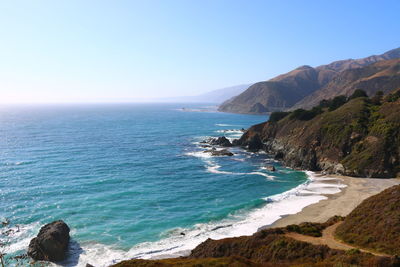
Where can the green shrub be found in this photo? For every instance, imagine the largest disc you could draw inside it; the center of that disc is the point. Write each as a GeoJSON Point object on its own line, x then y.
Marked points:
{"type": "Point", "coordinates": [358, 93]}
{"type": "Point", "coordinates": [277, 116]}
{"type": "Point", "coordinates": [393, 97]}
{"type": "Point", "coordinates": [353, 251]}
{"type": "Point", "coordinates": [307, 228]}
{"type": "Point", "coordinates": [305, 115]}
{"type": "Point", "coordinates": [325, 103]}
{"type": "Point", "coordinates": [337, 102]}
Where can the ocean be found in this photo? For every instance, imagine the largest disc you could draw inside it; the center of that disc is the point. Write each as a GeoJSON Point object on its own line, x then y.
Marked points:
{"type": "Point", "coordinates": [132, 181]}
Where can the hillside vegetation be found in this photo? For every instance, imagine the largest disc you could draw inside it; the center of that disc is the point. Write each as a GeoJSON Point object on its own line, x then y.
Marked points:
{"type": "Point", "coordinates": [375, 223]}
{"type": "Point", "coordinates": [356, 136]}
{"type": "Point", "coordinates": [266, 248]}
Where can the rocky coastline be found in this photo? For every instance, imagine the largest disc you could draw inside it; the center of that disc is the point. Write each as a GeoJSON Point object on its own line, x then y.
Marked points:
{"type": "Point", "coordinates": [360, 138]}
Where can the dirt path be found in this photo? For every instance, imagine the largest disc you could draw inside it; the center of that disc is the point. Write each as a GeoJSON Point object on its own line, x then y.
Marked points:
{"type": "Point", "coordinates": [328, 239]}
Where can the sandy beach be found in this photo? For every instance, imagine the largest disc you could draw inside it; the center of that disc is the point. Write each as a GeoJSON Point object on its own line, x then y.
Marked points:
{"type": "Point", "coordinates": [341, 203]}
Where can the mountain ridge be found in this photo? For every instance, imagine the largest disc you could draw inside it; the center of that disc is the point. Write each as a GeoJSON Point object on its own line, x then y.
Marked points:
{"type": "Point", "coordinates": [379, 76]}
{"type": "Point", "coordinates": [286, 90]}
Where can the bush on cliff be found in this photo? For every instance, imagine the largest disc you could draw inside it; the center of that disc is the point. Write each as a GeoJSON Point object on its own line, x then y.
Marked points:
{"type": "Point", "coordinates": [305, 115]}
{"type": "Point", "coordinates": [393, 96]}
{"type": "Point", "coordinates": [337, 102]}
{"type": "Point", "coordinates": [277, 116]}
{"type": "Point", "coordinates": [358, 93]}
{"type": "Point", "coordinates": [312, 228]}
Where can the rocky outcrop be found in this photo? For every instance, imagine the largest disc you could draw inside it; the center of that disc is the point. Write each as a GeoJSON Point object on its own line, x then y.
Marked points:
{"type": "Point", "coordinates": [220, 141]}
{"type": "Point", "coordinates": [51, 243]}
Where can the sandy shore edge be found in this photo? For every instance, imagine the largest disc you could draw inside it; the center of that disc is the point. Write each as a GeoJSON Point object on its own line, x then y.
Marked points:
{"type": "Point", "coordinates": [341, 203]}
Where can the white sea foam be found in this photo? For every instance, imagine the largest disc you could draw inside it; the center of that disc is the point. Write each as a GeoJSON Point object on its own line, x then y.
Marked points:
{"type": "Point", "coordinates": [269, 177]}
{"type": "Point", "coordinates": [17, 237]}
{"type": "Point", "coordinates": [225, 125]}
{"type": "Point", "coordinates": [199, 154]}
{"type": "Point", "coordinates": [230, 131]}
{"type": "Point", "coordinates": [215, 169]}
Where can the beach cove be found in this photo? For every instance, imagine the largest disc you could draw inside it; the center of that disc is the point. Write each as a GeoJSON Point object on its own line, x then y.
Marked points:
{"type": "Point", "coordinates": [356, 190]}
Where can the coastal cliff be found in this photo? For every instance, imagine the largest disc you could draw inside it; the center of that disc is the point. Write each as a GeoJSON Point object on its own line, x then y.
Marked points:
{"type": "Point", "coordinates": [356, 137]}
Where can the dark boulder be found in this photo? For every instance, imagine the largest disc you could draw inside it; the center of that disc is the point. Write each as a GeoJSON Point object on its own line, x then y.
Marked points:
{"type": "Point", "coordinates": [236, 142]}
{"type": "Point", "coordinates": [270, 168]}
{"type": "Point", "coordinates": [255, 143]}
{"type": "Point", "coordinates": [223, 152]}
{"type": "Point", "coordinates": [221, 141]}
{"type": "Point", "coordinates": [51, 244]}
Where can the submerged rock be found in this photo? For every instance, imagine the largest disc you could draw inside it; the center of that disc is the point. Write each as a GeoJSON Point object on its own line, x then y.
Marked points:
{"type": "Point", "coordinates": [270, 168]}
{"type": "Point", "coordinates": [51, 244]}
{"type": "Point", "coordinates": [223, 152]}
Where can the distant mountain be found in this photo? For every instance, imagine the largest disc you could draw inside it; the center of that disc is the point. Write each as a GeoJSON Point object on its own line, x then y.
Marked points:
{"type": "Point", "coordinates": [276, 94]}
{"type": "Point", "coordinates": [380, 76]}
{"type": "Point", "coordinates": [284, 91]}
{"type": "Point", "coordinates": [216, 96]}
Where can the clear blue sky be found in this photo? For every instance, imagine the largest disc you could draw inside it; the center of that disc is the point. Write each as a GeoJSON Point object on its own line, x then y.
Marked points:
{"type": "Point", "coordinates": [66, 51]}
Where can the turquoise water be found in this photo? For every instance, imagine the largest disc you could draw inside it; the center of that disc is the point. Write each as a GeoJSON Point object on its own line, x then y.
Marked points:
{"type": "Point", "coordinates": [131, 180]}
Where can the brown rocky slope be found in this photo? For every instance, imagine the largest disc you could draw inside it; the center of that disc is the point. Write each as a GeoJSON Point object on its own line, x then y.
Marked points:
{"type": "Point", "coordinates": [381, 76]}
{"type": "Point", "coordinates": [284, 91]}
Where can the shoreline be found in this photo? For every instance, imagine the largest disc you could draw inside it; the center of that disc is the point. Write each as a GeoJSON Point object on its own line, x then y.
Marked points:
{"type": "Point", "coordinates": [351, 192]}
{"type": "Point", "coordinates": [357, 189]}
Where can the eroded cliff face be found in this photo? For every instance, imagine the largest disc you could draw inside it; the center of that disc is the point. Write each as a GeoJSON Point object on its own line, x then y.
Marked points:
{"type": "Point", "coordinates": [358, 139]}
